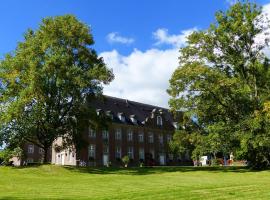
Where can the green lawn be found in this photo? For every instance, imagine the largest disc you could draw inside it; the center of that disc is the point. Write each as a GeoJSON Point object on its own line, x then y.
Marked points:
{"type": "Point", "coordinates": [53, 182]}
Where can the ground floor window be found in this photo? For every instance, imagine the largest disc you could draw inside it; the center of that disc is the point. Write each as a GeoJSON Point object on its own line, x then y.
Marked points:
{"type": "Point", "coordinates": [130, 152]}
{"type": "Point", "coordinates": [141, 154]}
{"type": "Point", "coordinates": [92, 151]}
{"type": "Point", "coordinates": [118, 152]}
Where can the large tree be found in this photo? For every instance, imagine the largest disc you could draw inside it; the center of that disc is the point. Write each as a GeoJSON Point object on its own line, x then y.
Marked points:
{"type": "Point", "coordinates": [223, 81]}
{"type": "Point", "coordinates": [46, 81]}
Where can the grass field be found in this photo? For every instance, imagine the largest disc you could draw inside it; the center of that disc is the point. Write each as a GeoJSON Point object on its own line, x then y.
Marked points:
{"type": "Point", "coordinates": [53, 182]}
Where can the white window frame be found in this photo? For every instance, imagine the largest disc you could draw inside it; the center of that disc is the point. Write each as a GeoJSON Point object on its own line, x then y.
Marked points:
{"type": "Point", "coordinates": [161, 138]}
{"type": "Point", "coordinates": [31, 149]}
{"type": "Point", "coordinates": [159, 120]}
{"type": "Point", "coordinates": [141, 137]}
{"type": "Point", "coordinates": [91, 132]}
{"type": "Point", "coordinates": [118, 152]}
{"type": "Point", "coordinates": [30, 160]}
{"type": "Point", "coordinates": [130, 152]}
{"type": "Point", "coordinates": [92, 151]}
{"type": "Point", "coordinates": [105, 134]}
{"type": "Point", "coordinates": [151, 137]}
{"type": "Point", "coordinates": [141, 153]}
{"type": "Point", "coordinates": [40, 150]}
{"type": "Point", "coordinates": [118, 134]}
{"type": "Point", "coordinates": [169, 138]}
{"type": "Point", "coordinates": [130, 135]}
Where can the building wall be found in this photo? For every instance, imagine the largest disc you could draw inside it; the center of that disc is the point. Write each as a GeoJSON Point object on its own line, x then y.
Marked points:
{"type": "Point", "coordinates": [112, 143]}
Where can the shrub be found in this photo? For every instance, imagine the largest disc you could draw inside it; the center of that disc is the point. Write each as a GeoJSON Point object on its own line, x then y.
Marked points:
{"type": "Point", "coordinates": [125, 160]}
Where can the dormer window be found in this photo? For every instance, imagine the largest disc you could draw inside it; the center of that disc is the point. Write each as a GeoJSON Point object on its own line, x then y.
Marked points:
{"type": "Point", "coordinates": [98, 112]}
{"type": "Point", "coordinates": [121, 117]}
{"type": "Point", "coordinates": [133, 119]}
{"type": "Point", "coordinates": [159, 121]}
{"type": "Point", "coordinates": [109, 114]}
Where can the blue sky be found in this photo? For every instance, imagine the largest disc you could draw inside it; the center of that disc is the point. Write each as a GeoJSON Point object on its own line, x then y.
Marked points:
{"type": "Point", "coordinates": [127, 33]}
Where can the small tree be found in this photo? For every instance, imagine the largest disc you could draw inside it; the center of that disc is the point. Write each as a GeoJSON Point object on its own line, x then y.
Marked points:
{"type": "Point", "coordinates": [125, 160]}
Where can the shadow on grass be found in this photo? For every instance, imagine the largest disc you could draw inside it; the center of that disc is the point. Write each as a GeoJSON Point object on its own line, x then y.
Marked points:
{"type": "Point", "coordinates": [155, 170]}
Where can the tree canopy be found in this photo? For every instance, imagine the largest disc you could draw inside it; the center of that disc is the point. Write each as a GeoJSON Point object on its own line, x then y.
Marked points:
{"type": "Point", "coordinates": [46, 81]}
{"type": "Point", "coordinates": [223, 81]}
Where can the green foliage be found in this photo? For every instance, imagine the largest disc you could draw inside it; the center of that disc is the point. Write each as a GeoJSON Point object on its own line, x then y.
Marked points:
{"type": "Point", "coordinates": [47, 80]}
{"type": "Point", "coordinates": [7, 154]}
{"type": "Point", "coordinates": [223, 81]}
{"type": "Point", "coordinates": [126, 160]}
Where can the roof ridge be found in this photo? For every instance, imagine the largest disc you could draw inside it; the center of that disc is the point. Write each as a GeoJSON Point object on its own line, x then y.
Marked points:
{"type": "Point", "coordinates": [135, 102]}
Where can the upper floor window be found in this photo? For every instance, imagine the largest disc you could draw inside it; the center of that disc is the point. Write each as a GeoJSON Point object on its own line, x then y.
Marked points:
{"type": "Point", "coordinates": [130, 135]}
{"type": "Point", "coordinates": [105, 134]}
{"type": "Point", "coordinates": [30, 148]}
{"type": "Point", "coordinates": [91, 133]}
{"type": "Point", "coordinates": [150, 137]}
{"type": "Point", "coordinates": [141, 138]}
{"type": "Point", "coordinates": [118, 134]}
{"type": "Point", "coordinates": [160, 138]}
{"type": "Point", "coordinates": [159, 121]}
{"type": "Point", "coordinates": [169, 138]}
{"type": "Point", "coordinates": [41, 151]}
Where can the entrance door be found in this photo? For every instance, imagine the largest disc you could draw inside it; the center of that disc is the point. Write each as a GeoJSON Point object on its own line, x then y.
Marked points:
{"type": "Point", "coordinates": [105, 159]}
{"type": "Point", "coordinates": [63, 159]}
{"type": "Point", "coordinates": [162, 159]}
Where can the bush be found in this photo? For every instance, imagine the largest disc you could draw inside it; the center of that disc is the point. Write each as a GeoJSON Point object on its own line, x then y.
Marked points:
{"type": "Point", "coordinates": [7, 154]}
{"type": "Point", "coordinates": [216, 162]}
{"type": "Point", "coordinates": [125, 160]}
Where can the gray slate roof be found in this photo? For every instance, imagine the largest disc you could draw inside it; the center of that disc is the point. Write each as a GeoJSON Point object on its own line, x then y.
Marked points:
{"type": "Point", "coordinates": [127, 108]}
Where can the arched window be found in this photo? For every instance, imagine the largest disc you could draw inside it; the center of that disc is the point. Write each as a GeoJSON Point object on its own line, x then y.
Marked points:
{"type": "Point", "coordinates": [159, 120]}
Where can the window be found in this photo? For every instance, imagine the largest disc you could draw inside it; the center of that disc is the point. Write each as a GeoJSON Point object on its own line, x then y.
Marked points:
{"type": "Point", "coordinates": [91, 133]}
{"type": "Point", "coordinates": [150, 137]}
{"type": "Point", "coordinates": [169, 138]}
{"type": "Point", "coordinates": [30, 148]}
{"type": "Point", "coordinates": [152, 152]}
{"type": "Point", "coordinates": [118, 134]}
{"type": "Point", "coordinates": [141, 154]}
{"type": "Point", "coordinates": [92, 151]}
{"type": "Point", "coordinates": [160, 138]}
{"type": "Point", "coordinates": [30, 160]}
{"type": "Point", "coordinates": [105, 149]}
{"type": "Point", "coordinates": [130, 152]}
{"type": "Point", "coordinates": [159, 120]}
{"type": "Point", "coordinates": [130, 135]}
{"type": "Point", "coordinates": [170, 156]}
{"type": "Point", "coordinates": [141, 139]}
{"type": "Point", "coordinates": [105, 134]}
{"type": "Point", "coordinates": [118, 152]}
{"type": "Point", "coordinates": [41, 151]}
{"type": "Point", "coordinates": [121, 117]}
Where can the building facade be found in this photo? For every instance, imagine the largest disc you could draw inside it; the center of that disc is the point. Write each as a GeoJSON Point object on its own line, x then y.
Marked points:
{"type": "Point", "coordinates": [140, 131]}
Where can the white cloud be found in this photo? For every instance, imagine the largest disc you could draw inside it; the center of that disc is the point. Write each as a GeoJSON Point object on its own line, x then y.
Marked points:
{"type": "Point", "coordinates": [141, 76]}
{"type": "Point", "coordinates": [163, 37]}
{"type": "Point", "coordinates": [115, 37]}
